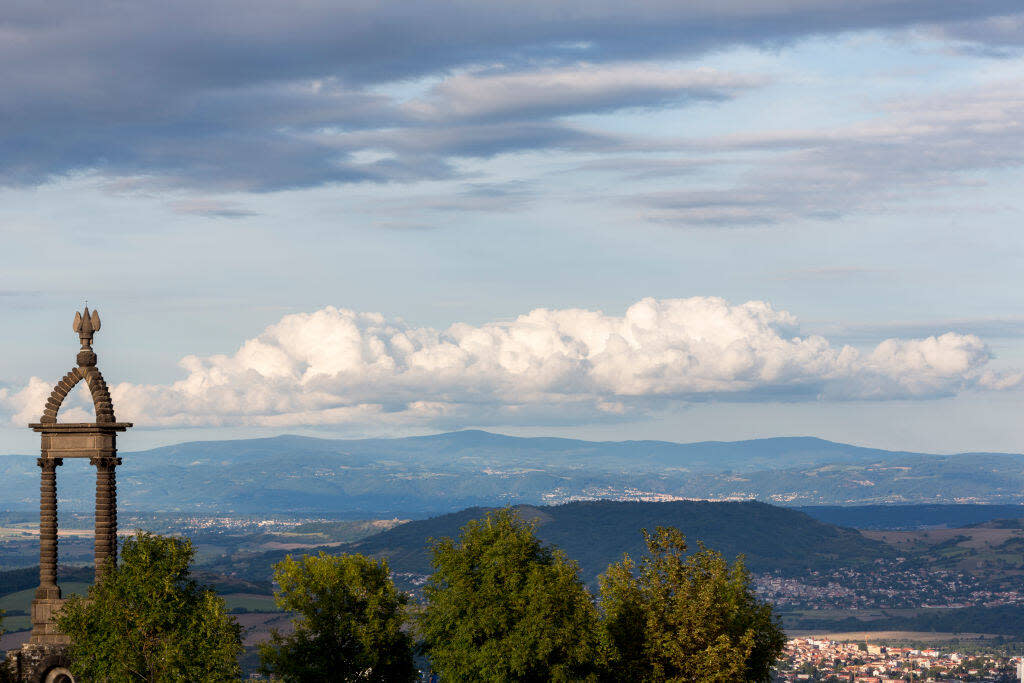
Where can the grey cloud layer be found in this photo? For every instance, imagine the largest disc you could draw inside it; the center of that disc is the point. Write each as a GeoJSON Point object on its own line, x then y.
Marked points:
{"type": "Point", "coordinates": [336, 366]}
{"type": "Point", "coordinates": [998, 35]}
{"type": "Point", "coordinates": [921, 147]}
{"type": "Point", "coordinates": [253, 95]}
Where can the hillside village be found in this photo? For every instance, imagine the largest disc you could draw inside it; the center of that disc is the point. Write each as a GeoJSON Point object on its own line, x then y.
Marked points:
{"type": "Point", "coordinates": [817, 659]}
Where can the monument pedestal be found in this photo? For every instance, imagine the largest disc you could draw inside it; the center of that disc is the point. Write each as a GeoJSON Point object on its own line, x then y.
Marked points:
{"type": "Point", "coordinates": [44, 628]}
{"type": "Point", "coordinates": [40, 664]}
{"type": "Point", "coordinates": [44, 658]}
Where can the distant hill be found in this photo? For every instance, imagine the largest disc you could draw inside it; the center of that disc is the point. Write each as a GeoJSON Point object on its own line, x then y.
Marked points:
{"type": "Point", "coordinates": [472, 449]}
{"type": "Point", "coordinates": [910, 517]}
{"type": "Point", "coordinates": [1015, 523]}
{"type": "Point", "coordinates": [598, 533]}
{"type": "Point", "coordinates": [428, 475]}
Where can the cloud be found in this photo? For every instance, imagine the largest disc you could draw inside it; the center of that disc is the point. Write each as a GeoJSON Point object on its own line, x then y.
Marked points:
{"type": "Point", "coordinates": [918, 148]}
{"type": "Point", "coordinates": [27, 403]}
{"type": "Point", "coordinates": [579, 88]}
{"type": "Point", "coordinates": [997, 36]}
{"type": "Point", "coordinates": [336, 366]}
{"type": "Point", "coordinates": [646, 168]}
{"type": "Point", "coordinates": [211, 208]}
{"type": "Point", "coordinates": [260, 96]}
{"type": "Point", "coordinates": [988, 328]}
{"type": "Point", "coordinates": [507, 196]}
{"type": "Point", "coordinates": [436, 144]}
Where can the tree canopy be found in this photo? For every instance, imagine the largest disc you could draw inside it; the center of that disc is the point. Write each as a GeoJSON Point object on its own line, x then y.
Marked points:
{"type": "Point", "coordinates": [147, 620]}
{"type": "Point", "coordinates": [501, 606]}
{"type": "Point", "coordinates": [6, 676]}
{"type": "Point", "coordinates": [687, 617]}
{"type": "Point", "coordinates": [349, 623]}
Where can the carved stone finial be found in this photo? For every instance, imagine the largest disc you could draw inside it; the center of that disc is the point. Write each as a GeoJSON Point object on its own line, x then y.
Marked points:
{"type": "Point", "coordinates": [86, 325]}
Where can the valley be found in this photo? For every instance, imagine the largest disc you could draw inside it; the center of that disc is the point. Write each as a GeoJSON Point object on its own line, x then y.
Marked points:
{"type": "Point", "coordinates": [821, 577]}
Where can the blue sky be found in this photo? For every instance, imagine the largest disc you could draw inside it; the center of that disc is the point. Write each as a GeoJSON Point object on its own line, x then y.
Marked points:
{"type": "Point", "coordinates": [338, 220]}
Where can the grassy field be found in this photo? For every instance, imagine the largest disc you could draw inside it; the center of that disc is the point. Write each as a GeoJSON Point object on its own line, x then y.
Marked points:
{"type": "Point", "coordinates": [22, 600]}
{"type": "Point", "coordinates": [208, 552]}
{"type": "Point", "coordinates": [16, 623]}
{"type": "Point", "coordinates": [975, 539]}
{"type": "Point", "coordinates": [250, 602]}
{"type": "Point", "coordinates": [978, 550]}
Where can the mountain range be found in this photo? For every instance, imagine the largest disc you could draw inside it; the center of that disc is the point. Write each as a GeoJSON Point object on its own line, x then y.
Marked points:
{"type": "Point", "coordinates": [429, 475]}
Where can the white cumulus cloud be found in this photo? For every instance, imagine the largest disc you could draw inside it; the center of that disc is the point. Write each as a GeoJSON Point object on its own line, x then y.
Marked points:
{"type": "Point", "coordinates": [337, 366]}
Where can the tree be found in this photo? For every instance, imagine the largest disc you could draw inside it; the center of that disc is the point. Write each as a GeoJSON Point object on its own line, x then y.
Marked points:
{"type": "Point", "coordinates": [501, 606]}
{"type": "Point", "coordinates": [5, 671]}
{"type": "Point", "coordinates": [349, 624]}
{"type": "Point", "coordinates": [687, 618]}
{"type": "Point", "coordinates": [147, 620]}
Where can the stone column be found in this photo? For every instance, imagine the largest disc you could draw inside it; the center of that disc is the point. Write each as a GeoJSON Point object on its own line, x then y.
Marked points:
{"type": "Point", "coordinates": [106, 512]}
{"type": "Point", "coordinates": [48, 588]}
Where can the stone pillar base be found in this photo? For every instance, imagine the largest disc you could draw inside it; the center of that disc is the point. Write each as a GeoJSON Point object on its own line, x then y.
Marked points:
{"type": "Point", "coordinates": [35, 663]}
{"type": "Point", "coordinates": [48, 593]}
{"type": "Point", "coordinates": [44, 630]}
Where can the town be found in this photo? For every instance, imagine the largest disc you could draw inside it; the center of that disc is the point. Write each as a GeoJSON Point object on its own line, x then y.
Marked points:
{"type": "Point", "coordinates": [817, 659]}
{"type": "Point", "coordinates": [893, 584]}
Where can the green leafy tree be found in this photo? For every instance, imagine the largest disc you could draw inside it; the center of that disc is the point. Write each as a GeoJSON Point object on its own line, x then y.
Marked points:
{"type": "Point", "coordinates": [5, 672]}
{"type": "Point", "coordinates": [501, 606]}
{"type": "Point", "coordinates": [147, 620]}
{"type": "Point", "coordinates": [687, 617]}
{"type": "Point", "coordinates": [349, 623]}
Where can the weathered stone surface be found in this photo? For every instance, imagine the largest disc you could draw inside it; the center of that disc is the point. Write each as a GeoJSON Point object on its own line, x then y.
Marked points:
{"type": "Point", "coordinates": [106, 512]}
{"type": "Point", "coordinates": [39, 663]}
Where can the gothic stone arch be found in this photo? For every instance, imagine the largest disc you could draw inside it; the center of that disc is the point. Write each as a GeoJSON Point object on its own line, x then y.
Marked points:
{"type": "Point", "coordinates": [44, 658]}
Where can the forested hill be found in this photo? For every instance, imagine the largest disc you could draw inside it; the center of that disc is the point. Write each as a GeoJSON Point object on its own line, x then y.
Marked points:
{"type": "Point", "coordinates": [599, 532]}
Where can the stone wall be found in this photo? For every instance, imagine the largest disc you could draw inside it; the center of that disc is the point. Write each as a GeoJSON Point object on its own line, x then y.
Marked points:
{"type": "Point", "coordinates": [39, 664]}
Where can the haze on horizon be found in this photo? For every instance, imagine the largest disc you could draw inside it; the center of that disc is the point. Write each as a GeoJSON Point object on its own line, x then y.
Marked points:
{"type": "Point", "coordinates": [662, 221]}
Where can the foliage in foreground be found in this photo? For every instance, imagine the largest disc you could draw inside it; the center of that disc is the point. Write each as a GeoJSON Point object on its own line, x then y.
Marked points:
{"type": "Point", "coordinates": [501, 606]}
{"type": "Point", "coordinates": [687, 618]}
{"type": "Point", "coordinates": [349, 624]}
{"type": "Point", "coordinates": [147, 620]}
{"type": "Point", "coordinates": [4, 671]}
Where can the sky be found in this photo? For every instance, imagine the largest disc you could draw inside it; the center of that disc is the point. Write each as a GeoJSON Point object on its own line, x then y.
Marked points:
{"type": "Point", "coordinates": [603, 220]}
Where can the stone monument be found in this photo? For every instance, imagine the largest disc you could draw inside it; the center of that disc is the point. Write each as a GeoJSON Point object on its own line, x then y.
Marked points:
{"type": "Point", "coordinates": [43, 659]}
